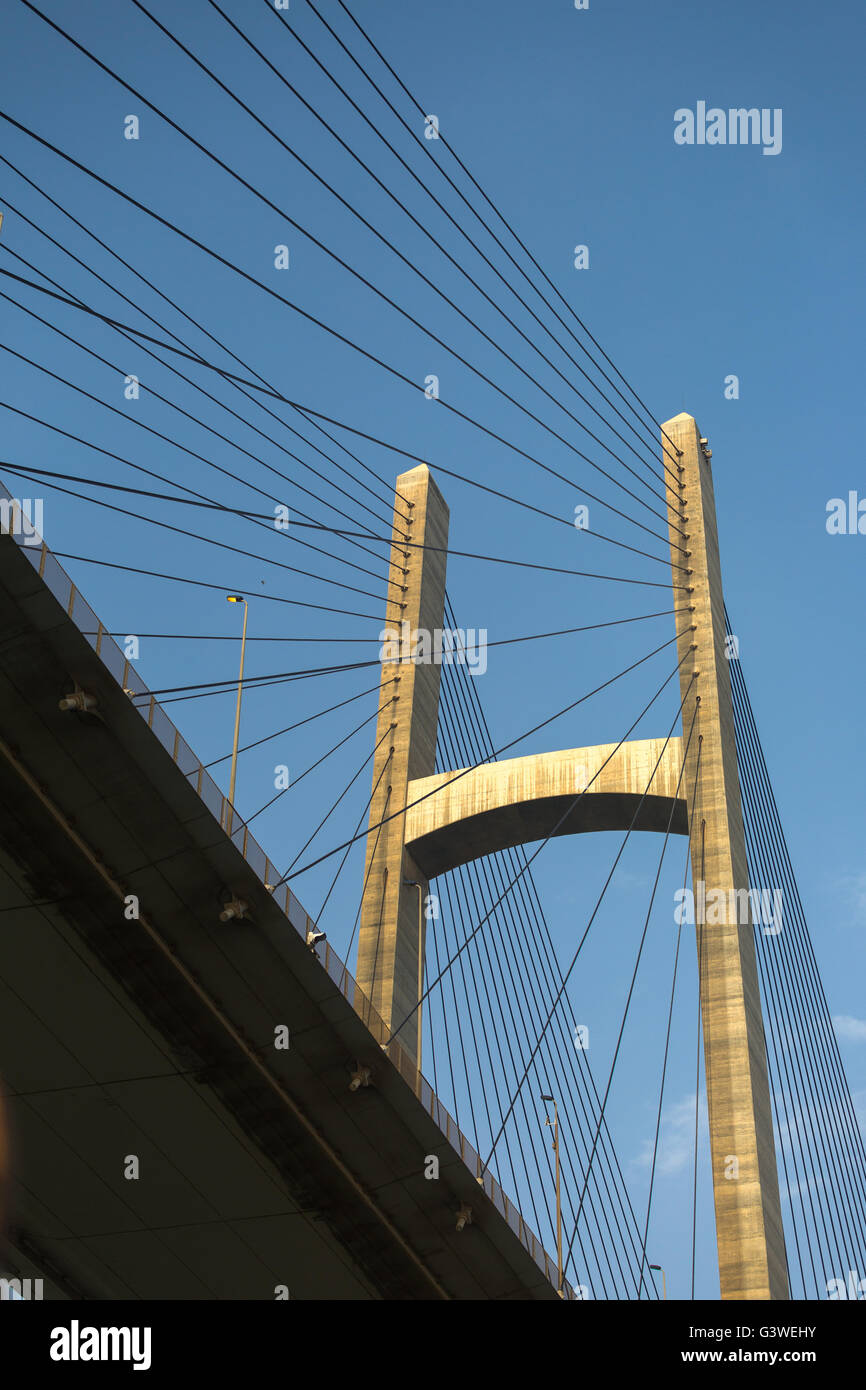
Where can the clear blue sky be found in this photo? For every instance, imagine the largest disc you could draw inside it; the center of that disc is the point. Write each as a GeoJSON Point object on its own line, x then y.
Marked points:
{"type": "Point", "coordinates": [703, 262]}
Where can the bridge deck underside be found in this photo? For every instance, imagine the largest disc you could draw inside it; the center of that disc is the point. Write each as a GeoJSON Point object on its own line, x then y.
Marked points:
{"type": "Point", "coordinates": [112, 1044]}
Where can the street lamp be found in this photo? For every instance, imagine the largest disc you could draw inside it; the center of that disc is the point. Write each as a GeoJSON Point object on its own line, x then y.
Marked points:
{"type": "Point", "coordinates": [238, 598]}
{"type": "Point", "coordinates": [552, 1102]}
{"type": "Point", "coordinates": [664, 1280]}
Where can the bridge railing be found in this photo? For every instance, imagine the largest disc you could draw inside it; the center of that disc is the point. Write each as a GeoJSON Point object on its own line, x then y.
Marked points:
{"type": "Point", "coordinates": [123, 671]}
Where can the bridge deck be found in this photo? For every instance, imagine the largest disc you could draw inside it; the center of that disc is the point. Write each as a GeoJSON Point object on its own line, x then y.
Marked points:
{"type": "Point", "coordinates": [154, 1037]}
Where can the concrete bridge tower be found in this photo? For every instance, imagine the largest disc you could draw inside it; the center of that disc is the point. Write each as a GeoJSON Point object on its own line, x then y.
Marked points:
{"type": "Point", "coordinates": [421, 824]}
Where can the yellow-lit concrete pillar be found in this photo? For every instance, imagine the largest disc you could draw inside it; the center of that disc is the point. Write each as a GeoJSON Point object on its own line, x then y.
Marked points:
{"type": "Point", "coordinates": [389, 950]}
{"type": "Point", "coordinates": [745, 1182]}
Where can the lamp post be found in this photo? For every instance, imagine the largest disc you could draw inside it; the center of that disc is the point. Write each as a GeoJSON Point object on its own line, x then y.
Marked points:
{"type": "Point", "coordinates": [413, 883]}
{"type": "Point", "coordinates": [664, 1280]}
{"type": "Point", "coordinates": [238, 598]}
{"type": "Point", "coordinates": [550, 1099]}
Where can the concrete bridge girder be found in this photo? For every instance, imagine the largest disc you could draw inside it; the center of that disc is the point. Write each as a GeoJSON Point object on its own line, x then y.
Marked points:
{"type": "Point", "coordinates": [461, 815]}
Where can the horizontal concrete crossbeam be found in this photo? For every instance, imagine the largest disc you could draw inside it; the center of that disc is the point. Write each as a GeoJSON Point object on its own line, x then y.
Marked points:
{"type": "Point", "coordinates": [461, 815]}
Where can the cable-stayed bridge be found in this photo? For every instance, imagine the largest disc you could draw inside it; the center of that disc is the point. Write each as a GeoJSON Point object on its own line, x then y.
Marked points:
{"type": "Point", "coordinates": [352, 1060]}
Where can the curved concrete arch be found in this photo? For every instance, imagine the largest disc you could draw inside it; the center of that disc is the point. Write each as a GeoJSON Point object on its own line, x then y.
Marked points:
{"type": "Point", "coordinates": [500, 805]}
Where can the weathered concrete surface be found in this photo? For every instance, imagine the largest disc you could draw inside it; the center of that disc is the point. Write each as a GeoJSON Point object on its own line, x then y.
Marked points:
{"type": "Point", "coordinates": [745, 1181]}
{"type": "Point", "coordinates": [462, 815]}
{"type": "Point", "coordinates": [388, 944]}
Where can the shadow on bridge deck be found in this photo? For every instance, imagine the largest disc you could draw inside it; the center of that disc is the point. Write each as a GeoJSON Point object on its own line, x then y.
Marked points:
{"type": "Point", "coordinates": [153, 1038]}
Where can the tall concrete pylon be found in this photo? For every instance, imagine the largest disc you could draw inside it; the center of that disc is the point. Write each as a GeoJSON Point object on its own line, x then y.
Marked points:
{"type": "Point", "coordinates": [393, 921]}
{"type": "Point", "coordinates": [422, 824]}
{"type": "Point", "coordinates": [751, 1244]}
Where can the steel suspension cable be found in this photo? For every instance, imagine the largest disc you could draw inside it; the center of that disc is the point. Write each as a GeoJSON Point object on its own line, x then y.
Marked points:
{"type": "Point", "coordinates": [543, 724]}
{"type": "Point", "coordinates": [416, 222]}
{"type": "Point", "coordinates": [521, 980]}
{"type": "Point", "coordinates": [261, 381]}
{"type": "Point", "coordinates": [494, 962]}
{"type": "Point", "coordinates": [815, 1109]}
{"type": "Point", "coordinates": [619, 852]}
{"type": "Point", "coordinates": [200, 500]}
{"type": "Point", "coordinates": [641, 944]}
{"type": "Point", "coordinates": [421, 110]}
{"type": "Point", "coordinates": [353, 210]}
{"type": "Point", "coordinates": [538, 933]}
{"type": "Point", "coordinates": [184, 448]}
{"type": "Point", "coordinates": [129, 329]}
{"type": "Point", "coordinates": [183, 377]}
{"type": "Point", "coordinates": [808, 974]}
{"type": "Point", "coordinates": [332, 332]}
